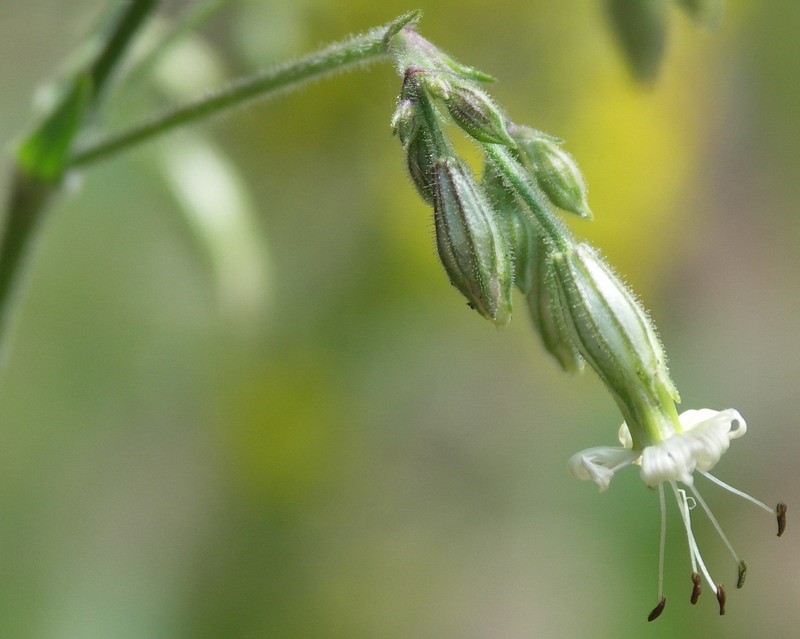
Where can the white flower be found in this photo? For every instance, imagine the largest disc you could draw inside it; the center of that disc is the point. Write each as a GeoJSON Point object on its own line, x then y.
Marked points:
{"type": "Point", "coordinates": [695, 444]}
{"type": "Point", "coordinates": [706, 436]}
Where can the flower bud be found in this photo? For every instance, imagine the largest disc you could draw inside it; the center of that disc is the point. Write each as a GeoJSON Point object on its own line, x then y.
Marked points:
{"type": "Point", "coordinates": [614, 335]}
{"type": "Point", "coordinates": [547, 312]}
{"type": "Point", "coordinates": [471, 245]}
{"type": "Point", "coordinates": [436, 84]}
{"type": "Point", "coordinates": [516, 224]}
{"type": "Point", "coordinates": [405, 122]}
{"type": "Point", "coordinates": [556, 171]}
{"type": "Point", "coordinates": [420, 160]}
{"type": "Point", "coordinates": [477, 114]}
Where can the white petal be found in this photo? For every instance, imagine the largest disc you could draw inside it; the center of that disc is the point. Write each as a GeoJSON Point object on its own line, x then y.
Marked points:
{"type": "Point", "coordinates": [599, 464]}
{"type": "Point", "coordinates": [624, 436]}
{"type": "Point", "coordinates": [707, 434]}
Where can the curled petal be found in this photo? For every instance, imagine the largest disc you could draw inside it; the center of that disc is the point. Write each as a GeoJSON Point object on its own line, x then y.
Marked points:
{"type": "Point", "coordinates": [707, 434]}
{"type": "Point", "coordinates": [599, 464]}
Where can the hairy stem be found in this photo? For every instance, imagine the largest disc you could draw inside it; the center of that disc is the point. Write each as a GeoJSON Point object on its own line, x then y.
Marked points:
{"type": "Point", "coordinates": [131, 19]}
{"type": "Point", "coordinates": [336, 57]}
{"type": "Point", "coordinates": [516, 179]}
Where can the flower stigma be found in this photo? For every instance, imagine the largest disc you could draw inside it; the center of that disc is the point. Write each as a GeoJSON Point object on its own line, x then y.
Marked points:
{"type": "Point", "coordinates": [696, 444]}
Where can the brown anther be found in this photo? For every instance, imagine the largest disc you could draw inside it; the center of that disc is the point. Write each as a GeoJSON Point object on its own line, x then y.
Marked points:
{"type": "Point", "coordinates": [721, 598]}
{"type": "Point", "coordinates": [657, 610]}
{"type": "Point", "coordinates": [742, 574]}
{"type": "Point", "coordinates": [697, 589]}
{"type": "Point", "coordinates": [781, 512]}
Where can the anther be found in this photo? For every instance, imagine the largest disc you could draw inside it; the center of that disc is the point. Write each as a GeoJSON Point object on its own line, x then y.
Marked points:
{"type": "Point", "coordinates": [742, 574]}
{"type": "Point", "coordinates": [781, 512]}
{"type": "Point", "coordinates": [721, 598]}
{"type": "Point", "coordinates": [697, 588]}
{"type": "Point", "coordinates": [657, 610]}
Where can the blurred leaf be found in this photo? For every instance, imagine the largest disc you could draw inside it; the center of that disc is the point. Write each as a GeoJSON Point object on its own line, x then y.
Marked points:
{"type": "Point", "coordinates": [214, 201]}
{"type": "Point", "coordinates": [705, 12]}
{"type": "Point", "coordinates": [641, 29]}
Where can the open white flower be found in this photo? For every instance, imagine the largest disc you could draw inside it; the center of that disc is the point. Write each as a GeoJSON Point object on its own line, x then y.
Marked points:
{"type": "Point", "coordinates": [696, 443]}
{"type": "Point", "coordinates": [705, 436]}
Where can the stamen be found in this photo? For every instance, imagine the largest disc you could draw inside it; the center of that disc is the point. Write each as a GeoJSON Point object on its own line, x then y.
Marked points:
{"type": "Point", "coordinates": [656, 613]}
{"type": "Point", "coordinates": [697, 589]}
{"type": "Point", "coordinates": [716, 525]}
{"type": "Point", "coordinates": [694, 551]}
{"type": "Point", "coordinates": [662, 541]}
{"type": "Point", "coordinates": [721, 598]}
{"type": "Point", "coordinates": [738, 492]}
{"type": "Point", "coordinates": [781, 512]}
{"type": "Point", "coordinates": [742, 574]}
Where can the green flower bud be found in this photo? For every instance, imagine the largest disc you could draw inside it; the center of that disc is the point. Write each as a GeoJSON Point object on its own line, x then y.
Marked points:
{"type": "Point", "coordinates": [405, 122]}
{"type": "Point", "coordinates": [547, 312]}
{"type": "Point", "coordinates": [516, 223]}
{"type": "Point", "coordinates": [471, 245]}
{"type": "Point", "coordinates": [476, 113]}
{"type": "Point", "coordinates": [614, 334]}
{"type": "Point", "coordinates": [556, 171]}
{"type": "Point", "coordinates": [420, 160]}
{"type": "Point", "coordinates": [436, 84]}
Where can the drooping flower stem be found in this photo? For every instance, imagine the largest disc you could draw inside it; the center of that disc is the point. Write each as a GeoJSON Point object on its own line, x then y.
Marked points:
{"type": "Point", "coordinates": [340, 56]}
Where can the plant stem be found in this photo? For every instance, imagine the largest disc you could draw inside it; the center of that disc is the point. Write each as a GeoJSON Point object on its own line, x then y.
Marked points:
{"type": "Point", "coordinates": [125, 28]}
{"type": "Point", "coordinates": [516, 179]}
{"type": "Point", "coordinates": [337, 57]}
{"type": "Point", "coordinates": [30, 188]}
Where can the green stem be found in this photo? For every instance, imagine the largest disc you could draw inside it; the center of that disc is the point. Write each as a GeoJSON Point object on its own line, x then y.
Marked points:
{"type": "Point", "coordinates": [337, 57]}
{"type": "Point", "coordinates": [33, 184]}
{"type": "Point", "coordinates": [125, 28]}
{"type": "Point", "coordinates": [515, 177]}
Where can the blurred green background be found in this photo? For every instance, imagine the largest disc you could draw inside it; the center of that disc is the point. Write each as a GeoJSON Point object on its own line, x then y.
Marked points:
{"type": "Point", "coordinates": [298, 429]}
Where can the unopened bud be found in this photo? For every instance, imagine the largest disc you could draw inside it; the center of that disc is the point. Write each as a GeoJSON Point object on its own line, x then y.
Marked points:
{"type": "Point", "coordinates": [405, 122]}
{"type": "Point", "coordinates": [477, 114]}
{"type": "Point", "coordinates": [471, 244]}
{"type": "Point", "coordinates": [618, 340]}
{"type": "Point", "coordinates": [556, 171]}
{"type": "Point", "coordinates": [547, 312]}
{"type": "Point", "coordinates": [420, 160]}
{"type": "Point", "coordinates": [436, 84]}
{"type": "Point", "coordinates": [517, 225]}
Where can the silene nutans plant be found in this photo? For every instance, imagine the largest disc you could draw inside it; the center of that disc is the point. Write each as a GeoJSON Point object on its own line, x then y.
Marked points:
{"type": "Point", "coordinates": [497, 228]}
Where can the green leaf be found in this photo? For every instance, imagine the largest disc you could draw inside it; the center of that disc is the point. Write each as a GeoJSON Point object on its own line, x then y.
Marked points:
{"type": "Point", "coordinates": [43, 155]}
